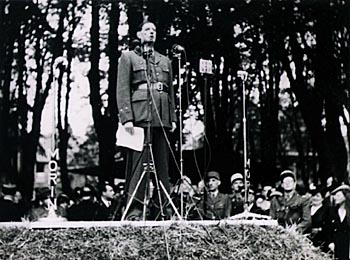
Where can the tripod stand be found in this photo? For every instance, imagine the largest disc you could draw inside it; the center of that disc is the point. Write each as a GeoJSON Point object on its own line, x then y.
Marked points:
{"type": "Point", "coordinates": [148, 160]}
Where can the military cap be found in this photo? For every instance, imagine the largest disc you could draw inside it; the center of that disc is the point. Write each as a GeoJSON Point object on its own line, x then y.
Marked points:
{"type": "Point", "coordinates": [213, 174]}
{"type": "Point", "coordinates": [287, 173]}
{"type": "Point", "coordinates": [236, 176]}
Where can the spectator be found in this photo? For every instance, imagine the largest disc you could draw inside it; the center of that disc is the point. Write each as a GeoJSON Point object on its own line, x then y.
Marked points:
{"type": "Point", "coordinates": [291, 208]}
{"type": "Point", "coordinates": [251, 203]}
{"type": "Point", "coordinates": [213, 204]}
{"type": "Point", "coordinates": [338, 223]}
{"type": "Point", "coordinates": [106, 204]}
{"type": "Point", "coordinates": [41, 205]}
{"type": "Point", "coordinates": [85, 209]}
{"type": "Point", "coordinates": [237, 199]}
{"type": "Point", "coordinates": [63, 203]}
{"type": "Point", "coordinates": [318, 212]}
{"type": "Point", "coordinates": [9, 209]}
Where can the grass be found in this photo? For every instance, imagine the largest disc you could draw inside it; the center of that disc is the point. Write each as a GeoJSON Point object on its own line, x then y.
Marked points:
{"type": "Point", "coordinates": [183, 241]}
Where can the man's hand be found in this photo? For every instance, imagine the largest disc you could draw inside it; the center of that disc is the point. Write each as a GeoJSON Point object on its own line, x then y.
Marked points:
{"type": "Point", "coordinates": [129, 127]}
{"type": "Point", "coordinates": [173, 127]}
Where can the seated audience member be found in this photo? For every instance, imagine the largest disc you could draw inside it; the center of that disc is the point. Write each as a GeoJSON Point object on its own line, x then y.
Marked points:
{"type": "Point", "coordinates": [318, 214]}
{"type": "Point", "coordinates": [86, 208]}
{"type": "Point", "coordinates": [106, 204]}
{"type": "Point", "coordinates": [291, 208]}
{"type": "Point", "coordinates": [9, 209]}
{"type": "Point", "coordinates": [237, 200]}
{"type": "Point", "coordinates": [41, 204]}
{"type": "Point", "coordinates": [337, 226]}
{"type": "Point", "coordinates": [213, 204]}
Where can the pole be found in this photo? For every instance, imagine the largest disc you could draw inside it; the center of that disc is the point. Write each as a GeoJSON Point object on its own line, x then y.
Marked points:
{"type": "Point", "coordinates": [243, 75]}
{"type": "Point", "coordinates": [178, 56]}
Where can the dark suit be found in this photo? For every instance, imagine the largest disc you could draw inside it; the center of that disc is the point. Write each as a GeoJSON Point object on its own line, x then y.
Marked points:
{"type": "Point", "coordinates": [318, 235]}
{"type": "Point", "coordinates": [338, 232]}
{"type": "Point", "coordinates": [85, 210]}
{"type": "Point", "coordinates": [9, 211]}
{"type": "Point", "coordinates": [133, 104]}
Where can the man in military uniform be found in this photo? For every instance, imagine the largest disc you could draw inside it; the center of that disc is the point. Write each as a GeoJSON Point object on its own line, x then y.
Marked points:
{"type": "Point", "coordinates": [237, 199]}
{"type": "Point", "coordinates": [213, 204]}
{"type": "Point", "coordinates": [291, 208]}
{"type": "Point", "coordinates": [145, 97]}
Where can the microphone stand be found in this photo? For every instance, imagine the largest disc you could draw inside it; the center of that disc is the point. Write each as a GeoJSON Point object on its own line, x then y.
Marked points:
{"type": "Point", "coordinates": [178, 56]}
{"type": "Point", "coordinates": [243, 75]}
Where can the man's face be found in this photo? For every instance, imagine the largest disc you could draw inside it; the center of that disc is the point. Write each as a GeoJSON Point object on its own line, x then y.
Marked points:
{"type": "Point", "coordinates": [237, 185]}
{"type": "Point", "coordinates": [148, 33]}
{"type": "Point", "coordinates": [288, 184]}
{"type": "Point", "coordinates": [213, 184]}
{"type": "Point", "coordinates": [109, 193]}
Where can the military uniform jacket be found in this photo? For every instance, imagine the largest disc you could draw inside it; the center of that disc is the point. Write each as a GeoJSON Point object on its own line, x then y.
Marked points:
{"type": "Point", "coordinates": [132, 101]}
{"type": "Point", "coordinates": [218, 207]}
{"type": "Point", "coordinates": [296, 210]}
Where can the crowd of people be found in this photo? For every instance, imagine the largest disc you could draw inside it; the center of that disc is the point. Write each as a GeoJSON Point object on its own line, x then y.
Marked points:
{"type": "Point", "coordinates": [323, 213]}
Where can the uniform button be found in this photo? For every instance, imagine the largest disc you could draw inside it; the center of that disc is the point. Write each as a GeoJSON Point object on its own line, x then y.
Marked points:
{"type": "Point", "coordinates": [157, 73]}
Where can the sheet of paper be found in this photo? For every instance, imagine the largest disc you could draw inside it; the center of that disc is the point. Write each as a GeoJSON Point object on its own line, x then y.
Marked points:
{"type": "Point", "coordinates": [134, 141]}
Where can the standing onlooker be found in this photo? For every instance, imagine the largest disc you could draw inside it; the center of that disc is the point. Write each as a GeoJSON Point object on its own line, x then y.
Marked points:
{"type": "Point", "coordinates": [237, 199]}
{"type": "Point", "coordinates": [105, 208]}
{"type": "Point", "coordinates": [318, 212]}
{"type": "Point", "coordinates": [63, 203]}
{"type": "Point", "coordinates": [338, 223]}
{"type": "Point", "coordinates": [9, 209]}
{"type": "Point", "coordinates": [291, 208]}
{"type": "Point", "coordinates": [85, 208]}
{"type": "Point", "coordinates": [213, 204]}
{"type": "Point", "coordinates": [41, 204]}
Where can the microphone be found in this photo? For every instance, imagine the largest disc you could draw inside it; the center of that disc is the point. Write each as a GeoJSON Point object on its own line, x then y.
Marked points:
{"type": "Point", "coordinates": [177, 48]}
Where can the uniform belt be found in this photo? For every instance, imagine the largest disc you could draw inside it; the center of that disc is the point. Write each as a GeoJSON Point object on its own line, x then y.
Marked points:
{"type": "Point", "coordinates": [160, 86]}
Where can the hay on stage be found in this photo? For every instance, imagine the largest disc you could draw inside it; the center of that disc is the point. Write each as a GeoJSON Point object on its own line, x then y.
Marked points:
{"type": "Point", "coordinates": [151, 240]}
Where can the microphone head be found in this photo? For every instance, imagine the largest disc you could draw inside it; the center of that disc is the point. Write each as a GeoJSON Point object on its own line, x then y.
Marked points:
{"type": "Point", "coordinates": [177, 48]}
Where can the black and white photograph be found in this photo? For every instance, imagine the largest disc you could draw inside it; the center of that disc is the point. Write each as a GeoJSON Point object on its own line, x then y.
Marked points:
{"type": "Point", "coordinates": [175, 129]}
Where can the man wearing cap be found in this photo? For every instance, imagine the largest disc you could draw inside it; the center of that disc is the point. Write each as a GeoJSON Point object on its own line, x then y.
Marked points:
{"type": "Point", "coordinates": [291, 208]}
{"type": "Point", "coordinates": [9, 210]}
{"type": "Point", "coordinates": [236, 197]}
{"type": "Point", "coordinates": [213, 204]}
{"type": "Point", "coordinates": [146, 98]}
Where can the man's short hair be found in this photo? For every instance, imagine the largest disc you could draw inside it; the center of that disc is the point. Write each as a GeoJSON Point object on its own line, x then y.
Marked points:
{"type": "Point", "coordinates": [139, 28]}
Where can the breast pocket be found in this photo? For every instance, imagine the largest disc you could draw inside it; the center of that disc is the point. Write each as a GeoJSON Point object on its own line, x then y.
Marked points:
{"type": "Point", "coordinates": [139, 72]}
{"type": "Point", "coordinates": [165, 72]}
